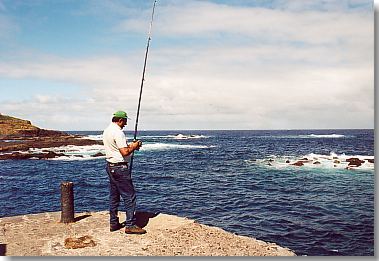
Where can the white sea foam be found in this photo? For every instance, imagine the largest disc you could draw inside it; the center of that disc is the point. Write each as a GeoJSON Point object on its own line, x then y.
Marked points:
{"type": "Point", "coordinates": [72, 152]}
{"type": "Point", "coordinates": [331, 161]}
{"type": "Point", "coordinates": [153, 136]}
{"type": "Point", "coordinates": [178, 136]}
{"type": "Point", "coordinates": [184, 137]}
{"type": "Point", "coordinates": [93, 137]}
{"type": "Point", "coordinates": [308, 136]}
{"type": "Point", "coordinates": [311, 136]}
{"type": "Point", "coordinates": [325, 136]}
{"type": "Point", "coordinates": [167, 146]}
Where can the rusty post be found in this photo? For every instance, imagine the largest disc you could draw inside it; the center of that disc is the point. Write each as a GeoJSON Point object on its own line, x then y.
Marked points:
{"type": "Point", "coordinates": [67, 202]}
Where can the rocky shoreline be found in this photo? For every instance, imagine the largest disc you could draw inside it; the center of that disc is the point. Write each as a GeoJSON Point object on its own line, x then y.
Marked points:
{"type": "Point", "coordinates": [19, 138]}
{"type": "Point", "coordinates": [17, 150]}
{"type": "Point", "coordinates": [167, 235]}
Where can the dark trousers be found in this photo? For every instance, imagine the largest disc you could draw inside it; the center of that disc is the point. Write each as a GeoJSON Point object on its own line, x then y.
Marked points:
{"type": "Point", "coordinates": [121, 185]}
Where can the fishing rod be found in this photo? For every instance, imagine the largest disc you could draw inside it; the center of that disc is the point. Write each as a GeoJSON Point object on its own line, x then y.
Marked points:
{"type": "Point", "coordinates": [142, 81]}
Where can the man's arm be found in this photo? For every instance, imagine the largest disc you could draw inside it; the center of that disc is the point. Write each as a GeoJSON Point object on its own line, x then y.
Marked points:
{"type": "Point", "coordinates": [135, 145]}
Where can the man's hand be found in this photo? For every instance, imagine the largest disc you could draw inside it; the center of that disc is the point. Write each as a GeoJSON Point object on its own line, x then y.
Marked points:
{"type": "Point", "coordinates": [137, 144]}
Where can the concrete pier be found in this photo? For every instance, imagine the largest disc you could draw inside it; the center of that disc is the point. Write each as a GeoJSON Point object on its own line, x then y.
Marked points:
{"type": "Point", "coordinates": [167, 235]}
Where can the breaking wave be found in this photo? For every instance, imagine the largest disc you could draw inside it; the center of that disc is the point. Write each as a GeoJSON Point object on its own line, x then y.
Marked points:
{"type": "Point", "coordinates": [324, 136]}
{"type": "Point", "coordinates": [72, 152]}
{"type": "Point", "coordinates": [185, 137]}
{"type": "Point", "coordinates": [175, 137]}
{"type": "Point", "coordinates": [90, 152]}
{"type": "Point", "coordinates": [93, 137]}
{"type": "Point", "coordinates": [310, 136]}
{"type": "Point", "coordinates": [332, 161]}
{"type": "Point", "coordinates": [166, 146]}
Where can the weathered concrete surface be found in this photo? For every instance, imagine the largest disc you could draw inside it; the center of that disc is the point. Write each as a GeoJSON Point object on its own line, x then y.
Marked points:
{"type": "Point", "coordinates": [167, 235]}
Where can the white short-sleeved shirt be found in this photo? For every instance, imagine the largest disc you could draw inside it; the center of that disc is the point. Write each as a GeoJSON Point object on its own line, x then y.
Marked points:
{"type": "Point", "coordinates": [114, 139]}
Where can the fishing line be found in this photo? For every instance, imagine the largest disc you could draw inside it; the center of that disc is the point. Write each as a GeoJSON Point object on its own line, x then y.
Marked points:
{"type": "Point", "coordinates": [142, 81]}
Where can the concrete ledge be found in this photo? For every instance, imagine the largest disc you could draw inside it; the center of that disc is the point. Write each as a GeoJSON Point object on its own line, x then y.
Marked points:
{"type": "Point", "coordinates": [167, 235]}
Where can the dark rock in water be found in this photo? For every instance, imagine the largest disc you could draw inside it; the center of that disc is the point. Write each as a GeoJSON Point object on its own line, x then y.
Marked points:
{"type": "Point", "coordinates": [51, 155]}
{"type": "Point", "coordinates": [317, 162]}
{"type": "Point", "coordinates": [299, 164]}
{"type": "Point", "coordinates": [355, 162]}
{"type": "Point", "coordinates": [45, 142]}
{"type": "Point", "coordinates": [15, 155]}
{"type": "Point", "coordinates": [370, 160]}
{"type": "Point", "coordinates": [99, 154]}
{"type": "Point", "coordinates": [27, 155]}
{"type": "Point", "coordinates": [287, 161]}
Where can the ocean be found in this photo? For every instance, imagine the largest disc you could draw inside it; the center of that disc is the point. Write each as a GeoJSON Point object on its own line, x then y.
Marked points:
{"type": "Point", "coordinates": [241, 181]}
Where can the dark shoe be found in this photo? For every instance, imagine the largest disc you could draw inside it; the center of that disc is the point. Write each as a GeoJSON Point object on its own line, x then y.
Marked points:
{"type": "Point", "coordinates": [134, 230]}
{"type": "Point", "coordinates": [116, 227]}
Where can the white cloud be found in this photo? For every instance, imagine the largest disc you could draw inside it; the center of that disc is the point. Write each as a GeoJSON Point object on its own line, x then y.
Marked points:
{"type": "Point", "coordinates": [269, 69]}
{"type": "Point", "coordinates": [202, 19]}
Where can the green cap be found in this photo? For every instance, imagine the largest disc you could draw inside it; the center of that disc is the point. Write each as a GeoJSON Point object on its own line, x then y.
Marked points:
{"type": "Point", "coordinates": [121, 114]}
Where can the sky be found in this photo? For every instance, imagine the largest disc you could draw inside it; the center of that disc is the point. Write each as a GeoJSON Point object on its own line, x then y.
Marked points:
{"type": "Point", "coordinates": [216, 64]}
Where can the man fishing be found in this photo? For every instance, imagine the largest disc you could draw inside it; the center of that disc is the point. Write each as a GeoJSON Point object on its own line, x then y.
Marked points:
{"type": "Point", "coordinates": [118, 156]}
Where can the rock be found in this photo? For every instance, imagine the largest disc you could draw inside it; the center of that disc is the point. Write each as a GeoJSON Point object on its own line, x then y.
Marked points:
{"type": "Point", "coordinates": [28, 155]}
{"type": "Point", "coordinates": [99, 154]}
{"type": "Point", "coordinates": [355, 162]}
{"type": "Point", "coordinates": [17, 135]}
{"type": "Point", "coordinates": [299, 163]}
{"type": "Point", "coordinates": [81, 242]}
{"type": "Point", "coordinates": [14, 128]}
{"type": "Point", "coordinates": [45, 142]}
{"type": "Point", "coordinates": [15, 156]}
{"type": "Point", "coordinates": [51, 154]}
{"type": "Point", "coordinates": [336, 161]}
{"type": "Point", "coordinates": [317, 162]}
{"type": "Point", "coordinates": [287, 161]}
{"type": "Point", "coordinates": [370, 160]}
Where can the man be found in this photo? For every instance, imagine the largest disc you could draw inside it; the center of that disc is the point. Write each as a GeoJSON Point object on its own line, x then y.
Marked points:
{"type": "Point", "coordinates": [118, 155]}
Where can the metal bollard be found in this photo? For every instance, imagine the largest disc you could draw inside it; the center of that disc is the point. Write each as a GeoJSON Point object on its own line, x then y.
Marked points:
{"type": "Point", "coordinates": [67, 202]}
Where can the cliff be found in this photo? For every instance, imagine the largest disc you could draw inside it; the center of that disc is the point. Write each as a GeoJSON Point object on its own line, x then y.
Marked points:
{"type": "Point", "coordinates": [14, 128]}
{"type": "Point", "coordinates": [19, 137]}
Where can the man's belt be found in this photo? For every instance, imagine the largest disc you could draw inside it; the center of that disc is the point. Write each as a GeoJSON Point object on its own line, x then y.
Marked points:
{"type": "Point", "coordinates": [117, 164]}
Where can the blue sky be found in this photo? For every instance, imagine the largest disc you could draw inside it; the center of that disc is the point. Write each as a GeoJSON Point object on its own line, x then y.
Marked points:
{"type": "Point", "coordinates": [274, 64]}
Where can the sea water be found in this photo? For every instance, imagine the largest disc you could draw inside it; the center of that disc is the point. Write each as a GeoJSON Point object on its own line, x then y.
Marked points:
{"type": "Point", "coordinates": [241, 181]}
